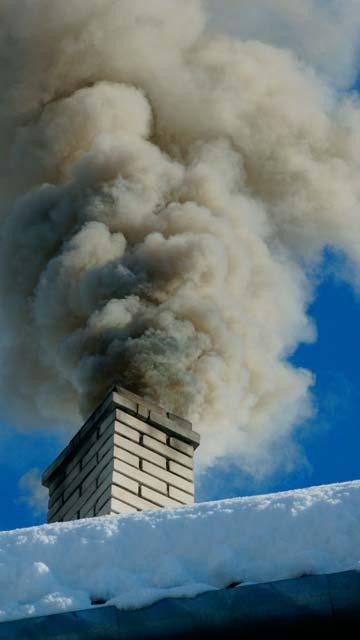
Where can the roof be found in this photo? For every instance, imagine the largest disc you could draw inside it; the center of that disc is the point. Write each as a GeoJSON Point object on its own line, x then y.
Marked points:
{"type": "Point", "coordinates": [277, 609]}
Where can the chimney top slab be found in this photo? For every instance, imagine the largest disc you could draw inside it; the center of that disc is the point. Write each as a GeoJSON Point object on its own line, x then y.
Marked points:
{"type": "Point", "coordinates": [143, 409]}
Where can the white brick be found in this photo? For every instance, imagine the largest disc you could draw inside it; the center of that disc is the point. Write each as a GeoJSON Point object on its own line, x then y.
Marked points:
{"type": "Point", "coordinates": [104, 424]}
{"type": "Point", "coordinates": [90, 440]}
{"type": "Point", "coordinates": [131, 500]}
{"type": "Point", "coordinates": [140, 426]}
{"type": "Point", "coordinates": [105, 509]}
{"type": "Point", "coordinates": [103, 468]}
{"type": "Point", "coordinates": [180, 470]}
{"type": "Point", "coordinates": [181, 446]}
{"type": "Point", "coordinates": [127, 432]}
{"type": "Point", "coordinates": [157, 498]}
{"type": "Point", "coordinates": [67, 518]}
{"type": "Point", "coordinates": [88, 492]}
{"type": "Point", "coordinates": [107, 446]}
{"type": "Point", "coordinates": [89, 482]}
{"type": "Point", "coordinates": [180, 496]}
{"type": "Point", "coordinates": [89, 496]}
{"type": "Point", "coordinates": [123, 465]}
{"type": "Point", "coordinates": [72, 475]}
{"type": "Point", "coordinates": [114, 507]}
{"type": "Point", "coordinates": [118, 507]}
{"type": "Point", "coordinates": [66, 507]}
{"type": "Point", "coordinates": [76, 483]}
{"type": "Point", "coordinates": [127, 457]}
{"type": "Point", "coordinates": [89, 513]}
{"type": "Point", "coordinates": [54, 505]}
{"type": "Point", "coordinates": [107, 471]}
{"type": "Point", "coordinates": [140, 476]}
{"type": "Point", "coordinates": [89, 472]}
{"type": "Point", "coordinates": [140, 451]}
{"type": "Point", "coordinates": [100, 496]}
{"type": "Point", "coordinates": [168, 477]}
{"type": "Point", "coordinates": [84, 448]}
{"type": "Point", "coordinates": [124, 482]}
{"type": "Point", "coordinates": [56, 482]}
{"type": "Point", "coordinates": [72, 513]}
{"type": "Point", "coordinates": [55, 494]}
{"type": "Point", "coordinates": [167, 452]}
{"type": "Point", "coordinates": [88, 499]}
{"type": "Point", "coordinates": [73, 481]}
{"type": "Point", "coordinates": [105, 499]}
{"type": "Point", "coordinates": [104, 440]}
{"type": "Point", "coordinates": [143, 411]}
{"type": "Point", "coordinates": [126, 401]}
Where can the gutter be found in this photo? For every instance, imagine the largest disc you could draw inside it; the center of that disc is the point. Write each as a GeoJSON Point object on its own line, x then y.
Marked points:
{"type": "Point", "coordinates": [275, 609]}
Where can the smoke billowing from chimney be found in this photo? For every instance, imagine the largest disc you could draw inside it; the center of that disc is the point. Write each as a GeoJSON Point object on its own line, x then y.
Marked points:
{"type": "Point", "coordinates": [165, 195]}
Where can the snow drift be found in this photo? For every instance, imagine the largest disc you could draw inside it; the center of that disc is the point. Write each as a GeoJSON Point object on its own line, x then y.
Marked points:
{"type": "Point", "coordinates": [135, 560]}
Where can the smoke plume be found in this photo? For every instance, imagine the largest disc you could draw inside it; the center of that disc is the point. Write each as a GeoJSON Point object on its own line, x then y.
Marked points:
{"type": "Point", "coordinates": [324, 33]}
{"type": "Point", "coordinates": [32, 493]}
{"type": "Point", "coordinates": [166, 193]}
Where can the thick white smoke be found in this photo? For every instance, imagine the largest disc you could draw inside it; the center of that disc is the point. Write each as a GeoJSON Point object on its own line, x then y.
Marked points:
{"type": "Point", "coordinates": [165, 195]}
{"type": "Point", "coordinates": [324, 33]}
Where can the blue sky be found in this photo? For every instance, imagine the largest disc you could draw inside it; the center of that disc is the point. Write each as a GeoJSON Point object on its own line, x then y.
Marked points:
{"type": "Point", "coordinates": [331, 442]}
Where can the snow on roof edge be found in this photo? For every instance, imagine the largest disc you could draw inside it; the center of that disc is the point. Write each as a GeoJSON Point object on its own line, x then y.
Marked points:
{"type": "Point", "coordinates": [134, 560]}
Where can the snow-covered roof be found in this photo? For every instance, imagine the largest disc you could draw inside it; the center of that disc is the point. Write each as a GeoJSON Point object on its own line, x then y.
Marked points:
{"type": "Point", "coordinates": [135, 560]}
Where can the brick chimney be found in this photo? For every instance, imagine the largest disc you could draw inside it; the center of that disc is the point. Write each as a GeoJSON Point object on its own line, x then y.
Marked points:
{"type": "Point", "coordinates": [130, 455]}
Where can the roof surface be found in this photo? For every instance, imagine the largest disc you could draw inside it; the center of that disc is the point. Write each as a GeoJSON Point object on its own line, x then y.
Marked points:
{"type": "Point", "coordinates": [327, 602]}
